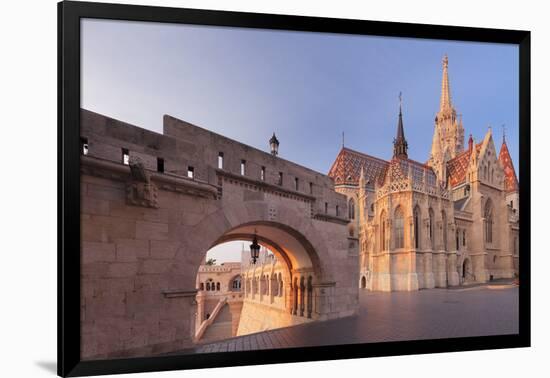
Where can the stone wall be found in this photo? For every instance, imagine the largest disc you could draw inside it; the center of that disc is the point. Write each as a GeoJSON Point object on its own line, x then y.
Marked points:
{"type": "Point", "coordinates": [145, 232]}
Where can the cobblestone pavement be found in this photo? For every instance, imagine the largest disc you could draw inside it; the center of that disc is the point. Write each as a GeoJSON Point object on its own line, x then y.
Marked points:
{"type": "Point", "coordinates": [425, 314]}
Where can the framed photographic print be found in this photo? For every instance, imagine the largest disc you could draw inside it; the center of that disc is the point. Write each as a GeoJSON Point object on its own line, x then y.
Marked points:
{"type": "Point", "coordinates": [241, 188]}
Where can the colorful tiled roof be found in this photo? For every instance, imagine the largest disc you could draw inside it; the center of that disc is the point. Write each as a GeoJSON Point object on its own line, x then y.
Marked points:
{"type": "Point", "coordinates": [400, 169]}
{"type": "Point", "coordinates": [346, 169]}
{"type": "Point", "coordinates": [457, 167]}
{"type": "Point", "coordinates": [510, 178]}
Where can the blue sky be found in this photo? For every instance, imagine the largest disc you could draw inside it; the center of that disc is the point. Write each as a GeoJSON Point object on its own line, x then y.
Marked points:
{"type": "Point", "coordinates": [308, 88]}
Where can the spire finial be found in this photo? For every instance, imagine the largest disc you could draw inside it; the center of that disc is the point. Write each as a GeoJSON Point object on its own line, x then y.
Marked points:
{"type": "Point", "coordinates": [343, 140]}
{"type": "Point", "coordinates": [400, 101]}
{"type": "Point", "coordinates": [503, 133]}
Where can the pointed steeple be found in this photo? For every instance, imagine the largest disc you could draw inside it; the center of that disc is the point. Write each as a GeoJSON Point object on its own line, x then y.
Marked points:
{"type": "Point", "coordinates": [445, 102]}
{"type": "Point", "coordinates": [400, 143]}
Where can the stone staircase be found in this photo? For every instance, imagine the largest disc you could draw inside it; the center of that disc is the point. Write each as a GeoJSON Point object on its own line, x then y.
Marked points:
{"type": "Point", "coordinates": [220, 328]}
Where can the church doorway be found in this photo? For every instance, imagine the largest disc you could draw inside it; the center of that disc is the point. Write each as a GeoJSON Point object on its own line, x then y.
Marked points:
{"type": "Point", "coordinates": [467, 275]}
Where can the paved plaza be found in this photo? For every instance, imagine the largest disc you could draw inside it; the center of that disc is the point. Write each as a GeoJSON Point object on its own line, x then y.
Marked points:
{"type": "Point", "coordinates": [397, 316]}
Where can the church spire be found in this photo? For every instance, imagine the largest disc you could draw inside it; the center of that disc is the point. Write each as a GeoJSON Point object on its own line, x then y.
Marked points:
{"type": "Point", "coordinates": [445, 102]}
{"type": "Point", "coordinates": [400, 143]}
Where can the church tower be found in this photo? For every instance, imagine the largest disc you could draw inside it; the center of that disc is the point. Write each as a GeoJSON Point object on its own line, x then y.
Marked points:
{"type": "Point", "coordinates": [448, 138]}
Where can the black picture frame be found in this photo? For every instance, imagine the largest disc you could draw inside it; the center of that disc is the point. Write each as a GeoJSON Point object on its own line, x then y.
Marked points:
{"type": "Point", "coordinates": [69, 15]}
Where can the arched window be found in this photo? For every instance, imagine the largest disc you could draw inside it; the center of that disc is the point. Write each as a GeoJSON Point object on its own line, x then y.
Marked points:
{"type": "Point", "coordinates": [351, 208]}
{"type": "Point", "coordinates": [431, 227]}
{"type": "Point", "coordinates": [398, 229]}
{"type": "Point", "coordinates": [218, 286]}
{"type": "Point", "coordinates": [202, 286]}
{"type": "Point", "coordinates": [489, 221]}
{"type": "Point", "coordinates": [444, 229]}
{"type": "Point", "coordinates": [383, 231]}
{"type": "Point", "coordinates": [464, 238]}
{"type": "Point", "coordinates": [417, 227]}
{"type": "Point", "coordinates": [236, 284]}
{"type": "Point", "coordinates": [280, 285]}
{"type": "Point", "coordinates": [208, 286]}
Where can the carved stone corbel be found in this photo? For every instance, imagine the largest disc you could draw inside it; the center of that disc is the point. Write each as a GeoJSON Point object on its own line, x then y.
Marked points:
{"type": "Point", "coordinates": [140, 191]}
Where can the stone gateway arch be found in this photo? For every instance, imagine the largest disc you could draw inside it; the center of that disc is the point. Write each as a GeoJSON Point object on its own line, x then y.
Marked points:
{"type": "Point", "coordinates": [153, 204]}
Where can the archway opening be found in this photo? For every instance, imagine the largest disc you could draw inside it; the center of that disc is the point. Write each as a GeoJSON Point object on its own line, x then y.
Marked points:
{"type": "Point", "coordinates": [277, 290]}
{"type": "Point", "coordinates": [467, 270]}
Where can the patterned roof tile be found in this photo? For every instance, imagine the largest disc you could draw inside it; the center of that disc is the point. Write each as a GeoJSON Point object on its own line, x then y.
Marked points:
{"type": "Point", "coordinates": [346, 169]}
{"type": "Point", "coordinates": [510, 179]}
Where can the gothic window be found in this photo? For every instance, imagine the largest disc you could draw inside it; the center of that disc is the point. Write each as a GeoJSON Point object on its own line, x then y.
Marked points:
{"type": "Point", "coordinates": [280, 285]}
{"type": "Point", "coordinates": [220, 160]}
{"type": "Point", "coordinates": [202, 286]}
{"type": "Point", "coordinates": [262, 174]}
{"type": "Point", "coordinates": [489, 222]}
{"type": "Point", "coordinates": [464, 238]}
{"type": "Point", "coordinates": [431, 227]}
{"type": "Point", "coordinates": [383, 231]}
{"type": "Point", "coordinates": [417, 227]}
{"type": "Point", "coordinates": [457, 240]}
{"type": "Point", "coordinates": [208, 286]}
{"type": "Point", "coordinates": [351, 209]}
{"type": "Point", "coordinates": [218, 286]}
{"type": "Point", "coordinates": [280, 182]}
{"type": "Point", "coordinates": [296, 184]}
{"type": "Point", "coordinates": [398, 229]}
{"type": "Point", "coordinates": [444, 220]}
{"type": "Point", "coordinates": [236, 284]}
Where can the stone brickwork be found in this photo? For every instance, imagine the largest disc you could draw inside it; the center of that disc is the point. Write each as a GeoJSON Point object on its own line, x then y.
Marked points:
{"type": "Point", "coordinates": [141, 252]}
